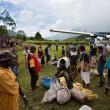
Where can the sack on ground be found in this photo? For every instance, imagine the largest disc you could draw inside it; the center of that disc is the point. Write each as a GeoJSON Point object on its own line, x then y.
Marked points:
{"type": "Point", "coordinates": [49, 96]}
{"type": "Point", "coordinates": [90, 95]}
{"type": "Point", "coordinates": [85, 107]}
{"type": "Point", "coordinates": [78, 95]}
{"type": "Point", "coordinates": [78, 85]}
{"type": "Point", "coordinates": [55, 86]}
{"type": "Point", "coordinates": [63, 96]}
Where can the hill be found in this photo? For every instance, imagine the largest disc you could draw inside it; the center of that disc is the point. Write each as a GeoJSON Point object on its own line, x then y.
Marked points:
{"type": "Point", "coordinates": [11, 33]}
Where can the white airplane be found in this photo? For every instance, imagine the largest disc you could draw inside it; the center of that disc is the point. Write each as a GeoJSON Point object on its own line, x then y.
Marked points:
{"type": "Point", "coordinates": [98, 38]}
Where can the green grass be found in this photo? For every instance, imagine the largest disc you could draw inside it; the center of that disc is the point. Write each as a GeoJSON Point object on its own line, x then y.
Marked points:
{"type": "Point", "coordinates": [63, 42]}
{"type": "Point", "coordinates": [35, 98]}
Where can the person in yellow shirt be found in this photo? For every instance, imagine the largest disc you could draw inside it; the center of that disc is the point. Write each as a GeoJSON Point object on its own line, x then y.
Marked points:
{"type": "Point", "coordinates": [9, 88]}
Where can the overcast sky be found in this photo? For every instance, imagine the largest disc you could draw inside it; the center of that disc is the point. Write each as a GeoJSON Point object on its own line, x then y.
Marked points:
{"type": "Point", "coordinates": [42, 15]}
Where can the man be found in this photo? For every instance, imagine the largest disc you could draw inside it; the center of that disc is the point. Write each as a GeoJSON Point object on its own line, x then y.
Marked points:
{"type": "Point", "coordinates": [63, 69]}
{"type": "Point", "coordinates": [105, 52]}
{"type": "Point", "coordinates": [101, 63]}
{"type": "Point", "coordinates": [9, 88]}
{"type": "Point", "coordinates": [63, 51]}
{"type": "Point", "coordinates": [47, 53]}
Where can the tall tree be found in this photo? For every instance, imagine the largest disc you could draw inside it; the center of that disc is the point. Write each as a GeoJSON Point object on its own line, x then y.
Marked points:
{"type": "Point", "coordinates": [21, 35]}
{"type": "Point", "coordinates": [38, 36]}
{"type": "Point", "coordinates": [7, 20]}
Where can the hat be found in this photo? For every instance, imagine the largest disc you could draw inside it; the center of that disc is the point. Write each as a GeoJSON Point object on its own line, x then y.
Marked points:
{"type": "Point", "coordinates": [5, 55]}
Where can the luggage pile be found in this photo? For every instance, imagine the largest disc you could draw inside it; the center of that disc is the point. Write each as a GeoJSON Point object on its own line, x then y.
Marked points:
{"type": "Point", "coordinates": [58, 91]}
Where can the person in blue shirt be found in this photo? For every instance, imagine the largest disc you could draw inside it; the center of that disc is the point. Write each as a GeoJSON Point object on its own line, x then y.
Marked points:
{"type": "Point", "coordinates": [107, 87]}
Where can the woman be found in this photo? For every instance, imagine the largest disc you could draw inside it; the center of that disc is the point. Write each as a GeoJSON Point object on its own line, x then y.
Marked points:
{"type": "Point", "coordinates": [41, 55]}
{"type": "Point", "coordinates": [34, 67]}
{"type": "Point", "coordinates": [9, 88]}
{"type": "Point", "coordinates": [85, 68]}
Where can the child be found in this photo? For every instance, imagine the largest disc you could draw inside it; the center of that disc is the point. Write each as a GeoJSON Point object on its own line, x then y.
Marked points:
{"type": "Point", "coordinates": [107, 87]}
{"type": "Point", "coordinates": [101, 63]}
{"type": "Point", "coordinates": [33, 66]}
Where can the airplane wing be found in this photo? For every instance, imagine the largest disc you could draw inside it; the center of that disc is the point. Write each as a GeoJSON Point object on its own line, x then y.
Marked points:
{"type": "Point", "coordinates": [72, 32]}
{"type": "Point", "coordinates": [93, 35]}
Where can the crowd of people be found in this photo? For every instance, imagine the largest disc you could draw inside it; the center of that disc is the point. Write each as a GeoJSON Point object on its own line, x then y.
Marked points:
{"type": "Point", "coordinates": [5, 42]}
{"type": "Point", "coordinates": [73, 60]}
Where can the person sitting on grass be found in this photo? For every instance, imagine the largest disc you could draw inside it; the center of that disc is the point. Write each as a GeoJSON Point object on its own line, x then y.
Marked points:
{"type": "Point", "coordinates": [53, 60]}
{"type": "Point", "coordinates": [63, 70]}
{"type": "Point", "coordinates": [33, 66]}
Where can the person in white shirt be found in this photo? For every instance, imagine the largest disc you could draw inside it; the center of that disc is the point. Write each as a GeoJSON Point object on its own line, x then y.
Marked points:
{"type": "Point", "coordinates": [63, 70]}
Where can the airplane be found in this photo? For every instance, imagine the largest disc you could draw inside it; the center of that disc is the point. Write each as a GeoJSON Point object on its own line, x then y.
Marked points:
{"type": "Point", "coordinates": [98, 37]}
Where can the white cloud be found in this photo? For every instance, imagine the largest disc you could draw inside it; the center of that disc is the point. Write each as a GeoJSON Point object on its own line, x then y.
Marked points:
{"type": "Point", "coordinates": [12, 1]}
{"type": "Point", "coordinates": [41, 15]}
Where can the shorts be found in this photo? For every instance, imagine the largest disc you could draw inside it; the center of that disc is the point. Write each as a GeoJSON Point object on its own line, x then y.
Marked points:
{"type": "Point", "coordinates": [100, 70]}
{"type": "Point", "coordinates": [85, 77]}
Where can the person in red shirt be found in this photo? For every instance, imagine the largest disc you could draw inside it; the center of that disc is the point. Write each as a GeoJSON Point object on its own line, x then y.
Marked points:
{"type": "Point", "coordinates": [41, 55]}
{"type": "Point", "coordinates": [33, 66]}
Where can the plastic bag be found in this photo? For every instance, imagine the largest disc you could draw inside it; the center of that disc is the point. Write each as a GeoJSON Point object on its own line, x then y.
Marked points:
{"type": "Point", "coordinates": [78, 95]}
{"type": "Point", "coordinates": [63, 96]}
{"type": "Point", "coordinates": [55, 86]}
{"type": "Point", "coordinates": [85, 107]}
{"type": "Point", "coordinates": [49, 96]}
